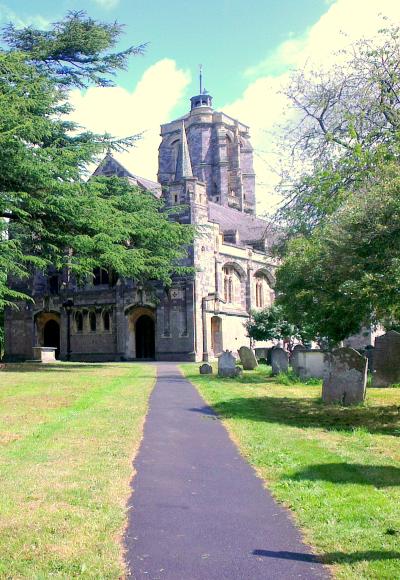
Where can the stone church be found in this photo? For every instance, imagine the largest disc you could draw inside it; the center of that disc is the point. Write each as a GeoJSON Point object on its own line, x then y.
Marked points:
{"type": "Point", "coordinates": [206, 166]}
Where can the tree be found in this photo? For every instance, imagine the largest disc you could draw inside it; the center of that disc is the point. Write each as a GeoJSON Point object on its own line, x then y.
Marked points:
{"type": "Point", "coordinates": [73, 52]}
{"type": "Point", "coordinates": [341, 249]}
{"type": "Point", "coordinates": [347, 273]}
{"type": "Point", "coordinates": [51, 213]}
{"type": "Point", "coordinates": [271, 324]}
{"type": "Point", "coordinates": [347, 124]}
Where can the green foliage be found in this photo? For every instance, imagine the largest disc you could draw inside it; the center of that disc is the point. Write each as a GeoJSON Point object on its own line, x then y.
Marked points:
{"type": "Point", "coordinates": [347, 273]}
{"type": "Point", "coordinates": [348, 124]}
{"type": "Point", "coordinates": [341, 251]}
{"type": "Point", "coordinates": [75, 51]}
{"type": "Point", "coordinates": [272, 323]}
{"type": "Point", "coordinates": [49, 212]}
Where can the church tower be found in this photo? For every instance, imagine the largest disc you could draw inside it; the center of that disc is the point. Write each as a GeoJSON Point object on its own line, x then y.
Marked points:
{"type": "Point", "coordinates": [185, 189]}
{"type": "Point", "coordinates": [219, 150]}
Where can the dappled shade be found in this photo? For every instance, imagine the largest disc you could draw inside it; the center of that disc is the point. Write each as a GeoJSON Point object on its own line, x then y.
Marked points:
{"type": "Point", "coordinates": [377, 475]}
{"type": "Point", "coordinates": [311, 413]}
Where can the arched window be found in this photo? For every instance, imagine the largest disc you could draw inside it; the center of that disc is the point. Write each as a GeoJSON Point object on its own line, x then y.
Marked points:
{"type": "Point", "coordinates": [79, 321]}
{"type": "Point", "coordinates": [92, 321]}
{"type": "Point", "coordinates": [106, 320]}
{"type": "Point", "coordinates": [263, 292]}
{"type": "Point", "coordinates": [232, 285]}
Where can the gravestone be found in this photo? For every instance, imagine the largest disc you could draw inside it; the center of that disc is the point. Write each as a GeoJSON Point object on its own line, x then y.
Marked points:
{"type": "Point", "coordinates": [369, 353]}
{"type": "Point", "coordinates": [205, 369]}
{"type": "Point", "coordinates": [238, 372]}
{"type": "Point", "coordinates": [294, 357]}
{"type": "Point", "coordinates": [261, 352]}
{"type": "Point", "coordinates": [227, 365]}
{"type": "Point", "coordinates": [345, 380]}
{"type": "Point", "coordinates": [387, 360]}
{"type": "Point", "coordinates": [279, 361]}
{"type": "Point", "coordinates": [247, 358]}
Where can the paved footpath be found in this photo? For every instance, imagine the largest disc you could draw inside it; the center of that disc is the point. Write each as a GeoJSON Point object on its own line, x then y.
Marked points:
{"type": "Point", "coordinates": [198, 511]}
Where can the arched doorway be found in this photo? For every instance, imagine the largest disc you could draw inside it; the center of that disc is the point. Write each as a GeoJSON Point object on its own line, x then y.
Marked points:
{"type": "Point", "coordinates": [51, 335]}
{"type": "Point", "coordinates": [145, 337]}
{"type": "Point", "coordinates": [216, 335]}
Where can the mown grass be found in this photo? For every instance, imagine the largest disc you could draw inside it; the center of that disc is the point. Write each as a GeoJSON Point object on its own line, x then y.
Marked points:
{"type": "Point", "coordinates": [68, 433]}
{"type": "Point", "coordinates": [336, 468]}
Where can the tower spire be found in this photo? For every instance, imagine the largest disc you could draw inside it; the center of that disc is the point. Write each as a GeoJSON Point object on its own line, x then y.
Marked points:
{"type": "Point", "coordinates": [183, 163]}
{"type": "Point", "coordinates": [201, 78]}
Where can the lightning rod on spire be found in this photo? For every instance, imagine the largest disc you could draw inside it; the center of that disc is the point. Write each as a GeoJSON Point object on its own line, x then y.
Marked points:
{"type": "Point", "coordinates": [201, 78]}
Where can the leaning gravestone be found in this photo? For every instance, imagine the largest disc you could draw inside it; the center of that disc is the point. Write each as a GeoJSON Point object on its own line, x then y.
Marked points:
{"type": "Point", "coordinates": [345, 379]}
{"type": "Point", "coordinates": [279, 361]}
{"type": "Point", "coordinates": [247, 358]}
{"type": "Point", "coordinates": [205, 369]}
{"type": "Point", "coordinates": [387, 360]}
{"type": "Point", "coordinates": [226, 365]}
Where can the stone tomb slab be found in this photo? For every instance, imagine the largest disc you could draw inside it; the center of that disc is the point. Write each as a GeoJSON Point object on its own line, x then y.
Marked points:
{"type": "Point", "coordinates": [387, 360]}
{"type": "Point", "coordinates": [345, 380]}
{"type": "Point", "coordinates": [309, 364]}
{"type": "Point", "coordinates": [44, 354]}
{"type": "Point", "coordinates": [247, 358]}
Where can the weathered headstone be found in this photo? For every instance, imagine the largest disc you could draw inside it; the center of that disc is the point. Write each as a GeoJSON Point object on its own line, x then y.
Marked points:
{"type": "Point", "coordinates": [261, 352]}
{"type": "Point", "coordinates": [298, 347]}
{"type": "Point", "coordinates": [279, 361]}
{"type": "Point", "coordinates": [387, 360]}
{"type": "Point", "coordinates": [294, 357]}
{"type": "Point", "coordinates": [247, 358]}
{"type": "Point", "coordinates": [205, 369]}
{"type": "Point", "coordinates": [345, 380]}
{"type": "Point", "coordinates": [226, 365]}
{"type": "Point", "coordinates": [369, 353]}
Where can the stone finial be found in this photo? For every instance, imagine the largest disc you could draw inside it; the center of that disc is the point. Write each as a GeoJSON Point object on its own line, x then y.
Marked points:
{"type": "Point", "coordinates": [183, 163]}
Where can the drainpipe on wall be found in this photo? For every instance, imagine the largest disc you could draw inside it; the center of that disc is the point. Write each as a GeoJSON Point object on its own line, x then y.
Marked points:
{"type": "Point", "coordinates": [204, 300]}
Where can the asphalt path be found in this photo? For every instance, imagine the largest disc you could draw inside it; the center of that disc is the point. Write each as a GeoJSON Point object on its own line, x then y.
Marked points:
{"type": "Point", "coordinates": [198, 511]}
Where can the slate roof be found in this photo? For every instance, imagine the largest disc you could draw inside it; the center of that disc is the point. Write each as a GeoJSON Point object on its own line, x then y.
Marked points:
{"type": "Point", "coordinates": [251, 229]}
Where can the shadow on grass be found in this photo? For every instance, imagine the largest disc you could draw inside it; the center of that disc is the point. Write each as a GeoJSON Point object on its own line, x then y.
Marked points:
{"type": "Point", "coordinates": [310, 413]}
{"type": "Point", "coordinates": [330, 558]}
{"type": "Point", "coordinates": [377, 475]}
{"type": "Point", "coordinates": [56, 367]}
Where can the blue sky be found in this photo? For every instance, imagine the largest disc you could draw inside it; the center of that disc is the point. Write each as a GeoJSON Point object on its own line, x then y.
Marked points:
{"type": "Point", "coordinates": [226, 36]}
{"type": "Point", "coordinates": [247, 55]}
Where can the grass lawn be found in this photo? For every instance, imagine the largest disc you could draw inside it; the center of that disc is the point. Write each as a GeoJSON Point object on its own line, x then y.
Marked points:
{"type": "Point", "coordinates": [338, 469]}
{"type": "Point", "coordinates": [68, 433]}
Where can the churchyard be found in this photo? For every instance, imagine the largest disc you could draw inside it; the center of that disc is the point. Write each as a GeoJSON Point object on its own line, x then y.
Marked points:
{"type": "Point", "coordinates": [68, 434]}
{"type": "Point", "coordinates": [336, 467]}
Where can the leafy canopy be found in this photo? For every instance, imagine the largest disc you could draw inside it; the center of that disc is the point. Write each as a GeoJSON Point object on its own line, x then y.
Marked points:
{"type": "Point", "coordinates": [272, 324]}
{"type": "Point", "coordinates": [49, 212]}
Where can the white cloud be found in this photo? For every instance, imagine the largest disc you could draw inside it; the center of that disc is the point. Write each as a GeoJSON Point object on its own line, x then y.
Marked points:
{"type": "Point", "coordinates": [36, 20]}
{"type": "Point", "coordinates": [262, 105]}
{"type": "Point", "coordinates": [107, 4]}
{"type": "Point", "coordinates": [121, 113]}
